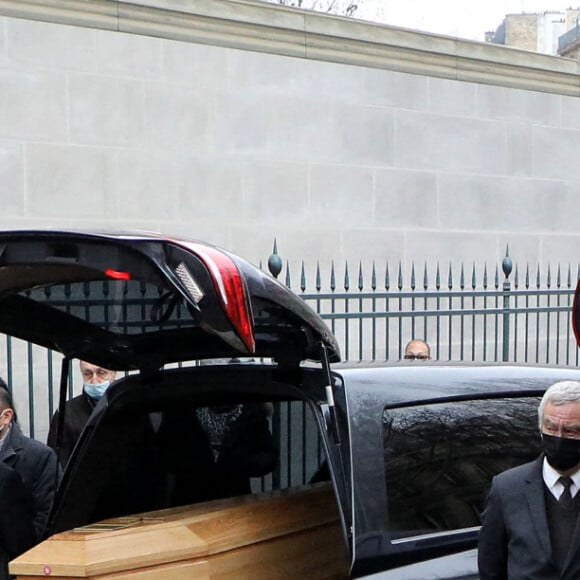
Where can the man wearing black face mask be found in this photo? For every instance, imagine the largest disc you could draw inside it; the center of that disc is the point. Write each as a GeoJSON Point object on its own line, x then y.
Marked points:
{"type": "Point", "coordinates": [531, 518]}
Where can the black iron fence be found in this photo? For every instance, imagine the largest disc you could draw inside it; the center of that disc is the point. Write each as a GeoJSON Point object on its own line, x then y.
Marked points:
{"type": "Point", "coordinates": [491, 314]}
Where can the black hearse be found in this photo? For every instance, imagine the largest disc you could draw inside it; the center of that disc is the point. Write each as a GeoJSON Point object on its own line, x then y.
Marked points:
{"type": "Point", "coordinates": [409, 448]}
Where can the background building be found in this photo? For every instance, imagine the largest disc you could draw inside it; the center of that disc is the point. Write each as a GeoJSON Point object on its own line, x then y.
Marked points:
{"type": "Point", "coordinates": [535, 32]}
{"type": "Point", "coordinates": [550, 32]}
{"type": "Point", "coordinates": [569, 43]}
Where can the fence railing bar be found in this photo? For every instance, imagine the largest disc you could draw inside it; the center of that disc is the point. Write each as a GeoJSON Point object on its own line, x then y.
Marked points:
{"type": "Point", "coordinates": [454, 312]}
{"type": "Point", "coordinates": [434, 294]}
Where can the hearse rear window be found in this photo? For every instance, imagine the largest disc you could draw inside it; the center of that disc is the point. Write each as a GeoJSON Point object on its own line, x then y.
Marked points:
{"type": "Point", "coordinates": [120, 306]}
{"type": "Point", "coordinates": [156, 447]}
{"type": "Point", "coordinates": [440, 459]}
{"type": "Point", "coordinates": [136, 307]}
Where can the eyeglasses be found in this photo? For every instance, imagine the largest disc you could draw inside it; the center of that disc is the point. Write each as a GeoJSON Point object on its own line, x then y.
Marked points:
{"type": "Point", "coordinates": [416, 356]}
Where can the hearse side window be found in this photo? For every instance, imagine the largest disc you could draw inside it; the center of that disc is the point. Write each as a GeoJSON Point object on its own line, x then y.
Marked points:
{"type": "Point", "coordinates": [440, 459]}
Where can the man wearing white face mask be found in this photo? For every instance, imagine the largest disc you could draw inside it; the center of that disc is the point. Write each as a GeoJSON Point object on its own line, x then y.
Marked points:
{"type": "Point", "coordinates": [96, 380]}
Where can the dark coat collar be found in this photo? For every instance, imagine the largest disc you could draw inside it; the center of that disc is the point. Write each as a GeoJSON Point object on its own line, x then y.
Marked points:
{"type": "Point", "coordinates": [13, 444]}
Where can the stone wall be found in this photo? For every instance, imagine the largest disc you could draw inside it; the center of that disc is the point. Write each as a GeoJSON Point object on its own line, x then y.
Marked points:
{"type": "Point", "coordinates": [338, 160]}
{"type": "Point", "coordinates": [241, 122]}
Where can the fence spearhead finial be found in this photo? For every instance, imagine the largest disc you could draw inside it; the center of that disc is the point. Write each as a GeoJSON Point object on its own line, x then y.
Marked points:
{"type": "Point", "coordinates": [274, 261]}
{"type": "Point", "coordinates": [527, 275]}
{"type": "Point", "coordinates": [506, 264]}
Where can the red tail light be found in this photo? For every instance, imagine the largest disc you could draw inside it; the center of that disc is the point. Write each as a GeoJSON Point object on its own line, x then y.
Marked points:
{"type": "Point", "coordinates": [230, 289]}
{"type": "Point", "coordinates": [116, 275]}
{"type": "Point", "coordinates": [576, 314]}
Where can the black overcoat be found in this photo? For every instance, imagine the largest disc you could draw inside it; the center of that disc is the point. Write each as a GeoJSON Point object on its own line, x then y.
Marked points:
{"type": "Point", "coordinates": [37, 465]}
{"type": "Point", "coordinates": [76, 414]}
{"type": "Point", "coordinates": [16, 530]}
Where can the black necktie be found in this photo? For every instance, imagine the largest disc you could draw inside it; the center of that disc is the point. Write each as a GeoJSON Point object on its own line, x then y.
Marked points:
{"type": "Point", "coordinates": [566, 498]}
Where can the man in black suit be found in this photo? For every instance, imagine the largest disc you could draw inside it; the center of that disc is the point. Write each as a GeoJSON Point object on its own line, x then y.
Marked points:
{"type": "Point", "coordinates": [530, 525]}
{"type": "Point", "coordinates": [16, 530]}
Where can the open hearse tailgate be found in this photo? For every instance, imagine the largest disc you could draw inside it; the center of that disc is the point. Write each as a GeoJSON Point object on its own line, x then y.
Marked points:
{"type": "Point", "coordinates": [129, 301]}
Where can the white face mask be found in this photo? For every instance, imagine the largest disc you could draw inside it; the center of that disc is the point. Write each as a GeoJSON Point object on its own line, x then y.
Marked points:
{"type": "Point", "coordinates": [96, 391]}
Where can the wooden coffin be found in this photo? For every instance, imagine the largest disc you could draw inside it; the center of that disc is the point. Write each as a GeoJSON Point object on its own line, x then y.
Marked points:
{"type": "Point", "coordinates": [289, 534]}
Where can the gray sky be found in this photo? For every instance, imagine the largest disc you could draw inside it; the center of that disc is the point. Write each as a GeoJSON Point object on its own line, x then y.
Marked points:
{"type": "Point", "coordinates": [462, 18]}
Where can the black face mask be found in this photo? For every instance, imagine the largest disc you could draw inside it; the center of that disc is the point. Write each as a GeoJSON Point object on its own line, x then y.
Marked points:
{"type": "Point", "coordinates": [562, 453]}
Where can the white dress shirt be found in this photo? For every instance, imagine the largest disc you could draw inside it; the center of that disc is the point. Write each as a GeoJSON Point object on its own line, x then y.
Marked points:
{"type": "Point", "coordinates": [551, 477]}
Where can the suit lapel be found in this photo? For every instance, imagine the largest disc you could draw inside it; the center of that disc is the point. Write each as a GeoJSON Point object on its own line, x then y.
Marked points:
{"type": "Point", "coordinates": [536, 503]}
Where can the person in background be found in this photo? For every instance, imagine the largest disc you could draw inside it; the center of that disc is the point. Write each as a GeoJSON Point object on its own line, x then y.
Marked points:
{"type": "Point", "coordinates": [96, 380]}
{"type": "Point", "coordinates": [35, 463]}
{"type": "Point", "coordinates": [417, 349]}
{"type": "Point", "coordinates": [16, 528]}
{"type": "Point", "coordinates": [213, 452]}
{"type": "Point", "coordinates": [530, 522]}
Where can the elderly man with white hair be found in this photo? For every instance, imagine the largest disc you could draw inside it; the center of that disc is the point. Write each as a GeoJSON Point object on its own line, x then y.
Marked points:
{"type": "Point", "coordinates": [530, 525]}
